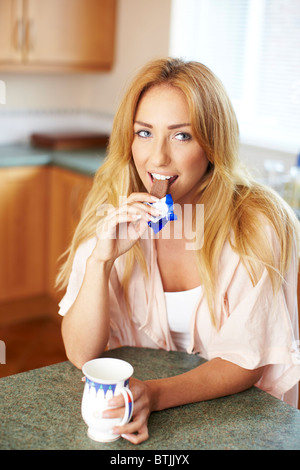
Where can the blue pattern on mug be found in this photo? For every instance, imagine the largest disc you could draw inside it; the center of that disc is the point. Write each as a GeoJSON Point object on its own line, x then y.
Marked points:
{"type": "Point", "coordinates": [104, 387]}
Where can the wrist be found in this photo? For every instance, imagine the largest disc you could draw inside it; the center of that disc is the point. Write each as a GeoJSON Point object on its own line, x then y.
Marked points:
{"type": "Point", "coordinates": [104, 266]}
{"type": "Point", "coordinates": [153, 394]}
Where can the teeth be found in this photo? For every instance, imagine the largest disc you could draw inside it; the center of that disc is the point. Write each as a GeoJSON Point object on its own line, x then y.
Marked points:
{"type": "Point", "coordinates": [160, 177]}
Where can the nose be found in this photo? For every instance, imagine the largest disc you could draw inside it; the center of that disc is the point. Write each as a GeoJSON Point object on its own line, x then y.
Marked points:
{"type": "Point", "coordinates": [160, 154]}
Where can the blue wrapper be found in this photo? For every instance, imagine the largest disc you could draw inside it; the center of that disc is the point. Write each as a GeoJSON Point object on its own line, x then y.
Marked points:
{"type": "Point", "coordinates": [166, 206]}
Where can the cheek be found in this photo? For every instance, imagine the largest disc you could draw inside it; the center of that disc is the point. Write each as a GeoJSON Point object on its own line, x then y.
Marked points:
{"type": "Point", "coordinates": [137, 155]}
{"type": "Point", "coordinates": [196, 163]}
{"type": "Point", "coordinates": [139, 162]}
{"type": "Point", "coordinates": [134, 157]}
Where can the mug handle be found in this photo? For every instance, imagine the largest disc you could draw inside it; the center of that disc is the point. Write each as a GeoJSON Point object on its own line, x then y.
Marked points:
{"type": "Point", "coordinates": [128, 405]}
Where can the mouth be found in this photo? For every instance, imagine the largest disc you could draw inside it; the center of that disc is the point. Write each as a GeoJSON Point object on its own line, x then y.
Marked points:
{"type": "Point", "coordinates": [158, 176]}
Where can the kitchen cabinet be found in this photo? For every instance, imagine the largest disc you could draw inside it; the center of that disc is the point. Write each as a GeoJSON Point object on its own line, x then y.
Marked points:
{"type": "Point", "coordinates": [40, 208]}
{"type": "Point", "coordinates": [23, 232]}
{"type": "Point", "coordinates": [11, 31]}
{"type": "Point", "coordinates": [59, 35]}
{"type": "Point", "coordinates": [67, 192]}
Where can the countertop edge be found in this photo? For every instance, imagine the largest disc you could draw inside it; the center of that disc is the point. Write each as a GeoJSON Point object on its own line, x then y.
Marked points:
{"type": "Point", "coordinates": [83, 161]}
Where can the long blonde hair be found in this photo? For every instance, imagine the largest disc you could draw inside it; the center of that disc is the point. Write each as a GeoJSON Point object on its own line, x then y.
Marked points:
{"type": "Point", "coordinates": [235, 205]}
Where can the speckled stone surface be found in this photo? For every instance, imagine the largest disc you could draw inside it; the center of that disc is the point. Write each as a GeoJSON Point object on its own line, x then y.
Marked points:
{"type": "Point", "coordinates": [81, 161]}
{"type": "Point", "coordinates": [41, 409]}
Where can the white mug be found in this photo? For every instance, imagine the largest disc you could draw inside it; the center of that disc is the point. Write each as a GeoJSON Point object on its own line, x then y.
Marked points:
{"type": "Point", "coordinates": [105, 378]}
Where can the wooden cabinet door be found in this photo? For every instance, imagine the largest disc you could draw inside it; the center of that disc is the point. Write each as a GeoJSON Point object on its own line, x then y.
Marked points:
{"type": "Point", "coordinates": [57, 34]}
{"type": "Point", "coordinates": [11, 31]}
{"type": "Point", "coordinates": [70, 33]}
{"type": "Point", "coordinates": [68, 191]}
{"type": "Point", "coordinates": [23, 202]}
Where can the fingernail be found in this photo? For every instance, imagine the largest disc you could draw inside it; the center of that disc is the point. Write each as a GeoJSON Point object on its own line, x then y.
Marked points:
{"type": "Point", "coordinates": [154, 198]}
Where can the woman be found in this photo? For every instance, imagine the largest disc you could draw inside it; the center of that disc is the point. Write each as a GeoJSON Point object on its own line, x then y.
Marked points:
{"type": "Point", "coordinates": [231, 298]}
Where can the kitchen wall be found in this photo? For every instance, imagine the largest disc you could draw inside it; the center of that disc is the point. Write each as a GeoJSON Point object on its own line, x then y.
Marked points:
{"type": "Point", "coordinates": [88, 101]}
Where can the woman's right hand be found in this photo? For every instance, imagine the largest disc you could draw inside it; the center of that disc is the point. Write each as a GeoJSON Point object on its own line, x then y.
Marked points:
{"type": "Point", "coordinates": [120, 229]}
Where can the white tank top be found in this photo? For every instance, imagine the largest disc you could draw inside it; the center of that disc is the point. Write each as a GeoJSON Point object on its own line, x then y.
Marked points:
{"type": "Point", "coordinates": [180, 307]}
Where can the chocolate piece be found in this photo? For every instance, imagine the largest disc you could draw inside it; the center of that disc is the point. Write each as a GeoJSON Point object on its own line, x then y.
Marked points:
{"type": "Point", "coordinates": [159, 188]}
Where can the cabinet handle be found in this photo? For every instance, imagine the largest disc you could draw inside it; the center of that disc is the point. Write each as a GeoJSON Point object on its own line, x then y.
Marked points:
{"type": "Point", "coordinates": [19, 35]}
{"type": "Point", "coordinates": [30, 37]}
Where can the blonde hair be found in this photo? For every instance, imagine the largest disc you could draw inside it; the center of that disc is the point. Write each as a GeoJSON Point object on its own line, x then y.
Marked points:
{"type": "Point", "coordinates": [236, 207]}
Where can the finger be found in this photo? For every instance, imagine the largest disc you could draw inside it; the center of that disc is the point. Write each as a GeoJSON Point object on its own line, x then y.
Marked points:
{"type": "Point", "coordinates": [108, 228]}
{"type": "Point", "coordinates": [116, 401]}
{"type": "Point", "coordinates": [132, 212]}
{"type": "Point", "coordinates": [116, 407]}
{"type": "Point", "coordinates": [112, 413]}
{"type": "Point", "coordinates": [141, 436]}
{"type": "Point", "coordinates": [141, 197]}
{"type": "Point", "coordinates": [106, 209]}
{"type": "Point", "coordinates": [130, 206]}
{"type": "Point", "coordinates": [141, 207]}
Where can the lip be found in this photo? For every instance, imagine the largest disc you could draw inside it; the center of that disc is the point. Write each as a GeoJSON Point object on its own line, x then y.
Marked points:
{"type": "Point", "coordinates": [163, 174]}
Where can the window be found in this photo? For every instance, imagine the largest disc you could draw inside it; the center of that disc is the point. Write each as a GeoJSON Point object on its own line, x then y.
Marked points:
{"type": "Point", "coordinates": [253, 46]}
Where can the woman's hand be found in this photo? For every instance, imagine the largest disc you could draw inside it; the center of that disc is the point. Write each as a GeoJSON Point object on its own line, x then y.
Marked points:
{"type": "Point", "coordinates": [136, 431]}
{"type": "Point", "coordinates": [121, 227]}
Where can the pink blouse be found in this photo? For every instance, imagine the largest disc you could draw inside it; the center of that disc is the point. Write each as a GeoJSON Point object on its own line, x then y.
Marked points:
{"type": "Point", "coordinates": [254, 328]}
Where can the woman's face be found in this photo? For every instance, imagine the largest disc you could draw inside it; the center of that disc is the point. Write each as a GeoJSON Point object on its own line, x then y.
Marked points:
{"type": "Point", "coordinates": [164, 144]}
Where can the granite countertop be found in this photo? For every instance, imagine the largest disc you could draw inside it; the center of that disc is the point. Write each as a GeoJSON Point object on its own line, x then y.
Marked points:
{"type": "Point", "coordinates": [85, 161]}
{"type": "Point", "coordinates": [41, 409]}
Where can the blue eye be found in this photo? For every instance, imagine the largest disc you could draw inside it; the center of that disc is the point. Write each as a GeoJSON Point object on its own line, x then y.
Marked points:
{"type": "Point", "coordinates": [143, 133]}
{"type": "Point", "coordinates": [183, 136]}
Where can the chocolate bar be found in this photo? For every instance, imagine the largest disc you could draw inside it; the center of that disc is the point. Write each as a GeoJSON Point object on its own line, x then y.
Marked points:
{"type": "Point", "coordinates": [159, 188]}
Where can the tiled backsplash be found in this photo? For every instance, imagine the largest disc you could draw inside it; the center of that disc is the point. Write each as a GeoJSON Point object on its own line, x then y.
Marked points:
{"type": "Point", "coordinates": [16, 126]}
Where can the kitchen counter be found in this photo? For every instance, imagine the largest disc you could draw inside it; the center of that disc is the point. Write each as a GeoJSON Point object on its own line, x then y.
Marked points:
{"type": "Point", "coordinates": [81, 161]}
{"type": "Point", "coordinates": [41, 409]}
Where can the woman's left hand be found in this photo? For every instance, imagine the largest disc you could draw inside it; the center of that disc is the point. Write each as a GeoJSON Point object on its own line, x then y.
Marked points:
{"type": "Point", "coordinates": [136, 431]}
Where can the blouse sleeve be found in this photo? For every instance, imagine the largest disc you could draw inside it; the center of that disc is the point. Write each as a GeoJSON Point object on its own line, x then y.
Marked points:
{"type": "Point", "coordinates": [260, 328]}
{"type": "Point", "coordinates": [119, 323]}
{"type": "Point", "coordinates": [77, 275]}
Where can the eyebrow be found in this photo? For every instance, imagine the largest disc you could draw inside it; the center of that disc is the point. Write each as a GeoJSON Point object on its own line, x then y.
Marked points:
{"type": "Point", "coordinates": [173, 126]}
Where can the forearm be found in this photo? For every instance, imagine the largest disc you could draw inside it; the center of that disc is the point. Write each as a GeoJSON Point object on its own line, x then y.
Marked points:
{"type": "Point", "coordinates": [85, 327]}
{"type": "Point", "coordinates": [213, 379]}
